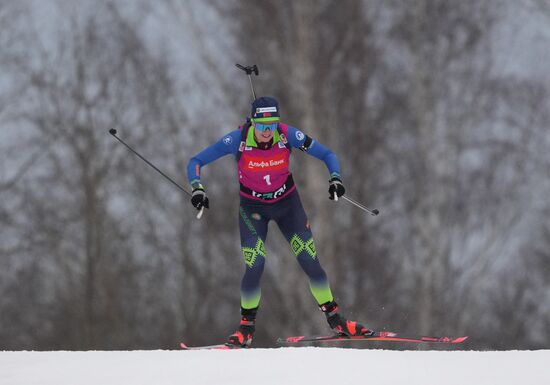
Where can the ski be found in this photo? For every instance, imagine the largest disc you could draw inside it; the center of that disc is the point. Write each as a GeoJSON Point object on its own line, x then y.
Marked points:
{"type": "Point", "coordinates": [375, 336]}
{"type": "Point", "coordinates": [210, 347]}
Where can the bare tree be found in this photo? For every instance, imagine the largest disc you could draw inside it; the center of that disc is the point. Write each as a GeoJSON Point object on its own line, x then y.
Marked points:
{"type": "Point", "coordinates": [100, 75]}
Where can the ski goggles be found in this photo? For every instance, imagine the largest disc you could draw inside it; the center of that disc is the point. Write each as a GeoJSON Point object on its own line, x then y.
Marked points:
{"type": "Point", "coordinates": [267, 124]}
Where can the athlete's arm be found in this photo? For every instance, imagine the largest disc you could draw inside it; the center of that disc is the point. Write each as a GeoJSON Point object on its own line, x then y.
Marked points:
{"type": "Point", "coordinates": [229, 144]}
{"type": "Point", "coordinates": [299, 140]}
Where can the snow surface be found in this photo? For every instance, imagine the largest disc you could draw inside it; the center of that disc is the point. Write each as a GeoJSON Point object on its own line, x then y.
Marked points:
{"type": "Point", "coordinates": [287, 366]}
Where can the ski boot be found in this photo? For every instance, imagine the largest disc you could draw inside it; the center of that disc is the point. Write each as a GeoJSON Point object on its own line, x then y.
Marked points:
{"type": "Point", "coordinates": [340, 324]}
{"type": "Point", "coordinates": [243, 335]}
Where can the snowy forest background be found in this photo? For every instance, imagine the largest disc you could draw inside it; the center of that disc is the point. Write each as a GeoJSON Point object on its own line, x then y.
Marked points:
{"type": "Point", "coordinates": [438, 110]}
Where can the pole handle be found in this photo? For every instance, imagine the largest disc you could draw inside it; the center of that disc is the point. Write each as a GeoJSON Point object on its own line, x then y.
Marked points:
{"type": "Point", "coordinates": [199, 215]}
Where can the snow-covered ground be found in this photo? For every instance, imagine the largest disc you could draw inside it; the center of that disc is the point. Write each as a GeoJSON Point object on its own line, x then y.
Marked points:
{"type": "Point", "coordinates": [286, 366]}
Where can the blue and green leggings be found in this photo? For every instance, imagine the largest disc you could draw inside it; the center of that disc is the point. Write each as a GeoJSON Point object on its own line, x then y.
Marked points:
{"type": "Point", "coordinates": [291, 218]}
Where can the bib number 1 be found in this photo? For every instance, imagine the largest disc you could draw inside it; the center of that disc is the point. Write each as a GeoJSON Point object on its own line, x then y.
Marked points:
{"type": "Point", "coordinates": [267, 179]}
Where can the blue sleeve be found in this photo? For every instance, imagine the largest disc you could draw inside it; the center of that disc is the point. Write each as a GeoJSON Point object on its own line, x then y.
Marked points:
{"type": "Point", "coordinates": [298, 139]}
{"type": "Point", "coordinates": [229, 144]}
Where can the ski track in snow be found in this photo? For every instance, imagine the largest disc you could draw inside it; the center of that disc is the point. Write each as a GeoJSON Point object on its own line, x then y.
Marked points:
{"type": "Point", "coordinates": [289, 366]}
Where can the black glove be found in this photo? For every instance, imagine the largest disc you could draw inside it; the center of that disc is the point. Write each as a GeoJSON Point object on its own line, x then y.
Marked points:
{"type": "Point", "coordinates": [335, 186]}
{"type": "Point", "coordinates": [199, 198]}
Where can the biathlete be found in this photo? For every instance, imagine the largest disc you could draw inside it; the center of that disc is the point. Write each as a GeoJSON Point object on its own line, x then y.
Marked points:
{"type": "Point", "coordinates": [262, 149]}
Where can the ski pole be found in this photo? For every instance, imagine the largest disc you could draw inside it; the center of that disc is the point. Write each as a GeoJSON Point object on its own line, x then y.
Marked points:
{"type": "Point", "coordinates": [373, 212]}
{"type": "Point", "coordinates": [249, 70]}
{"type": "Point", "coordinates": [113, 132]}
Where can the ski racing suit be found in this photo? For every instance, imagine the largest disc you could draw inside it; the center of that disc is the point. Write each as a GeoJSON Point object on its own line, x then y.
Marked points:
{"type": "Point", "coordinates": [268, 192]}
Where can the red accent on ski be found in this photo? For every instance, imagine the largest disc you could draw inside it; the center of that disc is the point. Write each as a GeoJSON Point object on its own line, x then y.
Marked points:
{"type": "Point", "coordinates": [295, 339]}
{"type": "Point", "coordinates": [459, 340]}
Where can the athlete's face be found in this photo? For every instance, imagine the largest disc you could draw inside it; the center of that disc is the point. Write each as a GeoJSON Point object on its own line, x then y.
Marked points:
{"type": "Point", "coordinates": [264, 131]}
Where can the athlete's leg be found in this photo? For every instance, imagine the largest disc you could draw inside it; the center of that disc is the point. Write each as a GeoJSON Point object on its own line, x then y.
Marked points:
{"type": "Point", "coordinates": [292, 221]}
{"type": "Point", "coordinates": [253, 230]}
